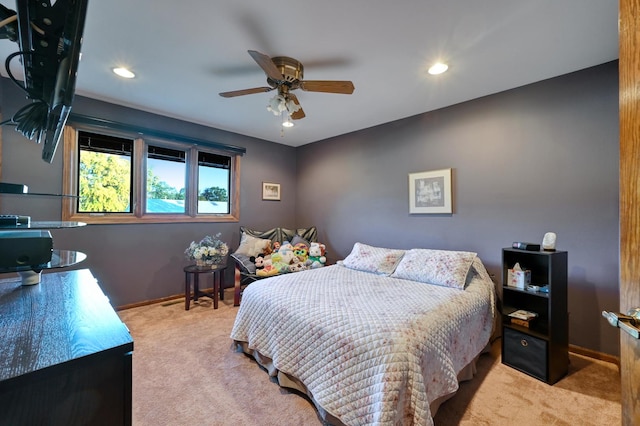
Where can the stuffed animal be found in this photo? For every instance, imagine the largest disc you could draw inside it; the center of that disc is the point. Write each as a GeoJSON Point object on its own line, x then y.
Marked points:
{"type": "Point", "coordinates": [268, 249]}
{"type": "Point", "coordinates": [301, 251]}
{"type": "Point", "coordinates": [267, 269]}
{"type": "Point", "coordinates": [297, 267]}
{"type": "Point", "coordinates": [278, 263]}
{"type": "Point", "coordinates": [264, 265]}
{"type": "Point", "coordinates": [286, 251]}
{"type": "Point", "coordinates": [259, 261]}
{"type": "Point", "coordinates": [316, 256]}
{"type": "Point", "coordinates": [283, 257]}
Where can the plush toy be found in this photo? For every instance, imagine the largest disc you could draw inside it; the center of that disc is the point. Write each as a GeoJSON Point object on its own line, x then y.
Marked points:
{"type": "Point", "coordinates": [286, 251]}
{"type": "Point", "coordinates": [267, 269]}
{"type": "Point", "coordinates": [264, 265]}
{"type": "Point", "coordinates": [283, 257]}
{"type": "Point", "coordinates": [297, 267]}
{"type": "Point", "coordinates": [258, 261]}
{"type": "Point", "coordinates": [316, 256]}
{"type": "Point", "coordinates": [302, 252]}
{"type": "Point", "coordinates": [268, 249]}
{"type": "Point", "coordinates": [278, 263]}
{"type": "Point", "coordinates": [276, 257]}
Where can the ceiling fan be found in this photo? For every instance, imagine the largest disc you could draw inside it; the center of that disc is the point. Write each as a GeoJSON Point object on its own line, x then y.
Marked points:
{"type": "Point", "coordinates": [286, 74]}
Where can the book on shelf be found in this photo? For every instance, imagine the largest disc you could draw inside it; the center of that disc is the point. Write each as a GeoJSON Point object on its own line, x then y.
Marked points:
{"type": "Point", "coordinates": [520, 322]}
{"type": "Point", "coordinates": [523, 315]}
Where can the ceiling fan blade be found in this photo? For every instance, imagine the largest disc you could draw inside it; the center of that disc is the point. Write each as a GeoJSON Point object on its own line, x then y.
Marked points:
{"type": "Point", "coordinates": [327, 86]}
{"type": "Point", "coordinates": [299, 113]}
{"type": "Point", "coordinates": [267, 65]}
{"type": "Point", "coordinates": [235, 93]}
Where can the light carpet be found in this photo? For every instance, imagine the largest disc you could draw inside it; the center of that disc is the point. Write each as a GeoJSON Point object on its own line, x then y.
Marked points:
{"type": "Point", "coordinates": [185, 373]}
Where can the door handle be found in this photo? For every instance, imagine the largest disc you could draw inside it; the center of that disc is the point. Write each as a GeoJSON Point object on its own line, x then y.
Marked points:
{"type": "Point", "coordinates": [629, 322]}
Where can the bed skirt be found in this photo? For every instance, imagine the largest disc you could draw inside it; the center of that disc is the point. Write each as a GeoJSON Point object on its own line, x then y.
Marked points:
{"type": "Point", "coordinates": [287, 381]}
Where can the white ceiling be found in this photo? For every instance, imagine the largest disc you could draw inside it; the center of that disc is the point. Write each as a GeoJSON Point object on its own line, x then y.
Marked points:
{"type": "Point", "coordinates": [184, 53]}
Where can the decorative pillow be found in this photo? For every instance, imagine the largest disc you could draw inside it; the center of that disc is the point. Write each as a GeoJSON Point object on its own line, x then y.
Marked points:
{"type": "Point", "coordinates": [272, 234]}
{"type": "Point", "coordinates": [297, 239]}
{"type": "Point", "coordinates": [441, 267]}
{"type": "Point", "coordinates": [381, 261]}
{"type": "Point", "coordinates": [247, 265]}
{"type": "Point", "coordinates": [252, 246]}
{"type": "Point", "coordinates": [309, 234]}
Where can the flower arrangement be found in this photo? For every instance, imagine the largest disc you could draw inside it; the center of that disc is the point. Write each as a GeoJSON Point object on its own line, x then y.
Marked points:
{"type": "Point", "coordinates": [209, 251]}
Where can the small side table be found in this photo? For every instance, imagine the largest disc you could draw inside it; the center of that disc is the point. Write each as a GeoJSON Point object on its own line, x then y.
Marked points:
{"type": "Point", "coordinates": [193, 271]}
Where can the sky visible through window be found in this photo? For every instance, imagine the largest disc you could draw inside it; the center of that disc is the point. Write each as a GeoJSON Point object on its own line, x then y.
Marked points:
{"type": "Point", "coordinates": [173, 174]}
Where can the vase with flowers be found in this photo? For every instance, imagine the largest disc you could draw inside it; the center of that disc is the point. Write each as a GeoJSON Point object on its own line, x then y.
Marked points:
{"type": "Point", "coordinates": [209, 252]}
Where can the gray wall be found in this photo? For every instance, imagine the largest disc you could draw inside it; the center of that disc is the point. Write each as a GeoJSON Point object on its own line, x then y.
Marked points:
{"type": "Point", "coordinates": [539, 158]}
{"type": "Point", "coordinates": [135, 263]}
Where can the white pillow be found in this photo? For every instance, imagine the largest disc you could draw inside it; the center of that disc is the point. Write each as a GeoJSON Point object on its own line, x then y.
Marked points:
{"type": "Point", "coordinates": [381, 261]}
{"type": "Point", "coordinates": [252, 246]}
{"type": "Point", "coordinates": [441, 267]}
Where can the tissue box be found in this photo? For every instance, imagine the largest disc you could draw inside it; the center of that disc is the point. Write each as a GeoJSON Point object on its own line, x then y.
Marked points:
{"type": "Point", "coordinates": [518, 279]}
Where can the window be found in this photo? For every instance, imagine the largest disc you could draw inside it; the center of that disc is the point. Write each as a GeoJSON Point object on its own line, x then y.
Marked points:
{"type": "Point", "coordinates": [104, 174]}
{"type": "Point", "coordinates": [166, 180]}
{"type": "Point", "coordinates": [214, 179]}
{"type": "Point", "coordinates": [120, 177]}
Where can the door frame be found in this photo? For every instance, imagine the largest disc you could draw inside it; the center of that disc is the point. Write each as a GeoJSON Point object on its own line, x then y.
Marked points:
{"type": "Point", "coordinates": [629, 103]}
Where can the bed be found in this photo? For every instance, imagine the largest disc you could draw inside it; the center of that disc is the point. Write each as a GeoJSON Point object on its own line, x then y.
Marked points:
{"type": "Point", "coordinates": [381, 338]}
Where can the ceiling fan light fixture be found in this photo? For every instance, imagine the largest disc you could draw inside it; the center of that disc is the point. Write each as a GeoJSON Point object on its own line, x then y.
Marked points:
{"type": "Point", "coordinates": [292, 106]}
{"type": "Point", "coordinates": [281, 104]}
{"type": "Point", "coordinates": [277, 105]}
{"type": "Point", "coordinates": [287, 122]}
{"type": "Point", "coordinates": [123, 72]}
{"type": "Point", "coordinates": [438, 68]}
{"type": "Point", "coordinates": [285, 74]}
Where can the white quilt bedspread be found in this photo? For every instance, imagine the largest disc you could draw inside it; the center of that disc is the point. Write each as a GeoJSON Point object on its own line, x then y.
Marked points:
{"type": "Point", "coordinates": [371, 350]}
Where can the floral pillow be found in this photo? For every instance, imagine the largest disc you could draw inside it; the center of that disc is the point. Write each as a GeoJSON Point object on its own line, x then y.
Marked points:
{"type": "Point", "coordinates": [441, 267]}
{"type": "Point", "coordinates": [381, 261]}
{"type": "Point", "coordinates": [252, 246]}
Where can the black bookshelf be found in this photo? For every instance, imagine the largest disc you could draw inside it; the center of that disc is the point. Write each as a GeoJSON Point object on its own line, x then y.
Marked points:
{"type": "Point", "coordinates": [541, 347]}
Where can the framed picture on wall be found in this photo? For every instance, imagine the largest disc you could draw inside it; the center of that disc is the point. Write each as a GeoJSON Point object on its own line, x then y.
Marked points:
{"type": "Point", "coordinates": [430, 192]}
{"type": "Point", "coordinates": [270, 191]}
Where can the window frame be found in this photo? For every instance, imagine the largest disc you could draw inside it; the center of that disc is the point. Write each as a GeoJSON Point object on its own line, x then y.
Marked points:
{"type": "Point", "coordinates": [139, 175]}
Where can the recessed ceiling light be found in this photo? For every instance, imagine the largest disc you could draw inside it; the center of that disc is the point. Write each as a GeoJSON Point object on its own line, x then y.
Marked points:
{"type": "Point", "coordinates": [123, 72]}
{"type": "Point", "coordinates": [438, 68]}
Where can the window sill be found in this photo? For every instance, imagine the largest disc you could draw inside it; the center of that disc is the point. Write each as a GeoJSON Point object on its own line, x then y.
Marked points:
{"type": "Point", "coordinates": [111, 218]}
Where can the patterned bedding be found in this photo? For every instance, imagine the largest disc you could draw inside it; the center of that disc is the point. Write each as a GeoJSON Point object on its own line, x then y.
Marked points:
{"type": "Point", "coordinates": [370, 349]}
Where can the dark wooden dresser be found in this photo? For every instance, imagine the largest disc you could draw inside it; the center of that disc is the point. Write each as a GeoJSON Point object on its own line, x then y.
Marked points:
{"type": "Point", "coordinates": [65, 356]}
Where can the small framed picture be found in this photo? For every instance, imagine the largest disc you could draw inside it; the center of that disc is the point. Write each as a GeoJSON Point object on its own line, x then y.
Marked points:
{"type": "Point", "coordinates": [270, 191]}
{"type": "Point", "coordinates": [430, 192]}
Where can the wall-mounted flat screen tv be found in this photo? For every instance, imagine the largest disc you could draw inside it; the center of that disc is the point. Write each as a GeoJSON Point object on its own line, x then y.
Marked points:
{"type": "Point", "coordinates": [49, 37]}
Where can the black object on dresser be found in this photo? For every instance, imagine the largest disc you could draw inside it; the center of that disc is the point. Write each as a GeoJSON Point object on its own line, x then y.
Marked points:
{"type": "Point", "coordinates": [66, 355]}
{"type": "Point", "coordinates": [539, 347]}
